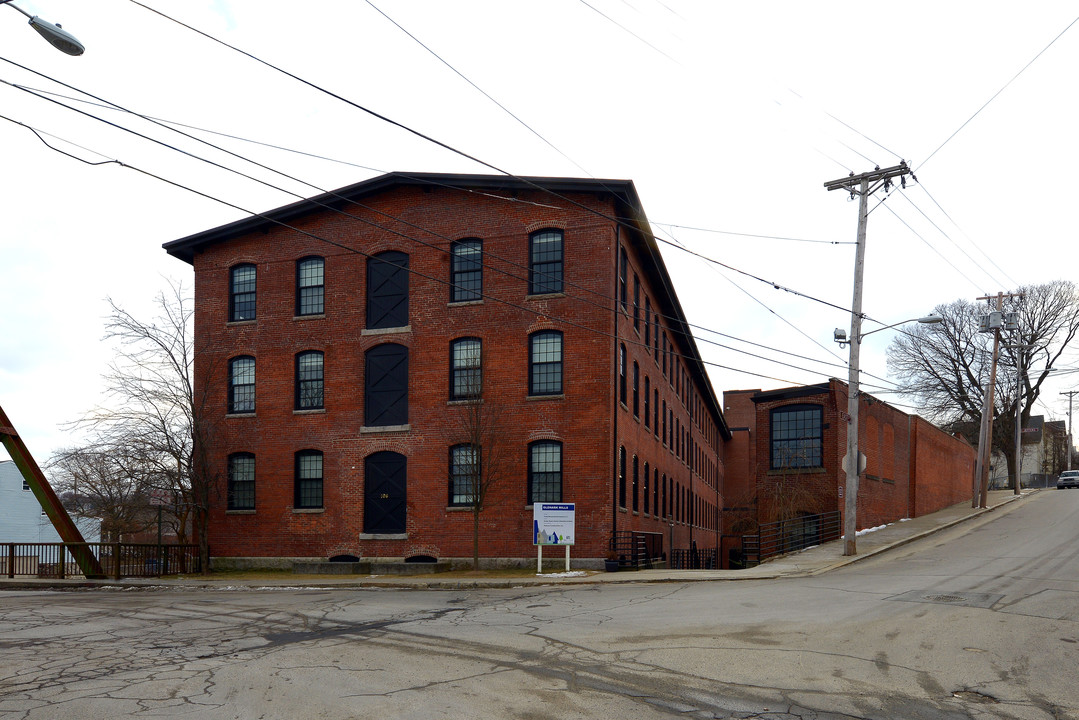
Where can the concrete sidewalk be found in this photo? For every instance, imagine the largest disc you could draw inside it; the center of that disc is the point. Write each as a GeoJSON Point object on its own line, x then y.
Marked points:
{"type": "Point", "coordinates": [813, 561]}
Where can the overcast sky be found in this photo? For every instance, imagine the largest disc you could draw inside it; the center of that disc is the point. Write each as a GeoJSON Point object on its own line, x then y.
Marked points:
{"type": "Point", "coordinates": [728, 117]}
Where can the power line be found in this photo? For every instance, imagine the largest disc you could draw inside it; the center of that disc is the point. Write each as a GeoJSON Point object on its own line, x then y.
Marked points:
{"type": "Point", "coordinates": [676, 320]}
{"type": "Point", "coordinates": [627, 30]}
{"type": "Point", "coordinates": [998, 92]}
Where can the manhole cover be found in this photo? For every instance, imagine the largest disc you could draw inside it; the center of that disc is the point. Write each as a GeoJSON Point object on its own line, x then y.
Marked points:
{"type": "Point", "coordinates": [963, 599]}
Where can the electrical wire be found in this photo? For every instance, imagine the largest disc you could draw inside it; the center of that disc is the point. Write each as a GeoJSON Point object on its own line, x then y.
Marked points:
{"type": "Point", "coordinates": [998, 92]}
{"type": "Point", "coordinates": [118, 107]}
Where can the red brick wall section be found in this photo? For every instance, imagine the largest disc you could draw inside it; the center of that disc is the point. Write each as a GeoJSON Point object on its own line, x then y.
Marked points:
{"type": "Point", "coordinates": [740, 459]}
{"type": "Point", "coordinates": [816, 487]}
{"type": "Point", "coordinates": [581, 419]}
{"type": "Point", "coordinates": [943, 466]}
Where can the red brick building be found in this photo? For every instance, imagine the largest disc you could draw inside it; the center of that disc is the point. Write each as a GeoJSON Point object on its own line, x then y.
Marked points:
{"type": "Point", "coordinates": [786, 457]}
{"type": "Point", "coordinates": [342, 339]}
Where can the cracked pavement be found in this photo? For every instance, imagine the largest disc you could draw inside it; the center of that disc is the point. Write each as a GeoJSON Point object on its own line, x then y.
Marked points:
{"type": "Point", "coordinates": [975, 622]}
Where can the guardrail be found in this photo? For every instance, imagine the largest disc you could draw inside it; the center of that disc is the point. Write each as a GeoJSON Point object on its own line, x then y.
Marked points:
{"type": "Point", "coordinates": [116, 560]}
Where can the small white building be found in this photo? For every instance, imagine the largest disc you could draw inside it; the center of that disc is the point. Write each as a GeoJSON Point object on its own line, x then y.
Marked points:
{"type": "Point", "coordinates": [21, 518]}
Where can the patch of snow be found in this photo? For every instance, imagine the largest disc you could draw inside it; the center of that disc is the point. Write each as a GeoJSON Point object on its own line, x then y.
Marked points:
{"type": "Point", "coordinates": [574, 573]}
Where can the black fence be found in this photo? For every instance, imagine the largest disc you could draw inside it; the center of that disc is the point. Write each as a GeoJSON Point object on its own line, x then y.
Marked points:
{"type": "Point", "coordinates": [115, 560]}
{"type": "Point", "coordinates": [784, 536]}
{"type": "Point", "coordinates": [636, 549]}
{"type": "Point", "coordinates": [694, 559]}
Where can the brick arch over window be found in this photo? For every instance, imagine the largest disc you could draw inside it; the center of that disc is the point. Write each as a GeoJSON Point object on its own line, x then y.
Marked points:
{"type": "Point", "coordinates": [385, 492]}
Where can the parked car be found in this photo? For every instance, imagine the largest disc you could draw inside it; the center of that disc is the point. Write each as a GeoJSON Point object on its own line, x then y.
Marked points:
{"type": "Point", "coordinates": [1068, 479]}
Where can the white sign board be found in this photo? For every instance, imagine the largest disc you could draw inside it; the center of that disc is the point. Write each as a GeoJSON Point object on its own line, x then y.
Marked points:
{"type": "Point", "coordinates": [552, 524]}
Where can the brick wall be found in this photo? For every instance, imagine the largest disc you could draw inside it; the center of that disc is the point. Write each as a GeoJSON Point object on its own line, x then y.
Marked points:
{"type": "Point", "coordinates": [587, 419]}
{"type": "Point", "coordinates": [944, 466]}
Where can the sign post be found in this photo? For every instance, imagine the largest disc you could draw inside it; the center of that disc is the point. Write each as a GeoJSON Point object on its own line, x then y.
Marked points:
{"type": "Point", "coordinates": [552, 524]}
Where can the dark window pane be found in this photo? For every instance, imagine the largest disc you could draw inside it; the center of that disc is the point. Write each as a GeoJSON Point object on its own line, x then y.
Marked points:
{"type": "Point", "coordinates": [466, 281]}
{"type": "Point", "coordinates": [242, 293]}
{"type": "Point", "coordinates": [464, 473]}
{"type": "Point", "coordinates": [310, 286]}
{"type": "Point", "coordinates": [387, 290]}
{"type": "Point", "coordinates": [309, 381]}
{"type": "Point", "coordinates": [241, 482]}
{"type": "Point", "coordinates": [545, 471]}
{"type": "Point", "coordinates": [242, 385]}
{"type": "Point", "coordinates": [308, 479]}
{"type": "Point", "coordinates": [466, 372]}
{"type": "Point", "coordinates": [796, 437]}
{"type": "Point", "coordinates": [546, 363]}
{"type": "Point", "coordinates": [545, 262]}
{"type": "Point", "coordinates": [386, 386]}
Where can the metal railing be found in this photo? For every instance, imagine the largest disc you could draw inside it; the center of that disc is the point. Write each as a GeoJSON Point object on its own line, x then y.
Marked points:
{"type": "Point", "coordinates": [694, 559]}
{"type": "Point", "coordinates": [116, 560]}
{"type": "Point", "coordinates": [636, 549]}
{"type": "Point", "coordinates": [784, 536]}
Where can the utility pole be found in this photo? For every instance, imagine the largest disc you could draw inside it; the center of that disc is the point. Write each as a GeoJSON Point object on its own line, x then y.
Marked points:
{"type": "Point", "coordinates": [1019, 348]}
{"type": "Point", "coordinates": [863, 186]}
{"type": "Point", "coordinates": [992, 324]}
{"type": "Point", "coordinates": [1070, 394]}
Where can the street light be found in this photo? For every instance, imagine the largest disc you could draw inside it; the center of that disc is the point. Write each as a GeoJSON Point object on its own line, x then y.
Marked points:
{"type": "Point", "coordinates": [59, 38]}
{"type": "Point", "coordinates": [853, 460]}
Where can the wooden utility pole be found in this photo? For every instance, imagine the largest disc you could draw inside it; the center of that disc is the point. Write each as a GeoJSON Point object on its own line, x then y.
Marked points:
{"type": "Point", "coordinates": [1070, 394]}
{"type": "Point", "coordinates": [985, 436]}
{"type": "Point", "coordinates": [862, 185]}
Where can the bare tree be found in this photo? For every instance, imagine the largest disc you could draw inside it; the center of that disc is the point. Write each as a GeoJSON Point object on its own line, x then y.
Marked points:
{"type": "Point", "coordinates": [945, 367]}
{"type": "Point", "coordinates": [109, 483]}
{"type": "Point", "coordinates": [155, 413]}
{"type": "Point", "coordinates": [478, 453]}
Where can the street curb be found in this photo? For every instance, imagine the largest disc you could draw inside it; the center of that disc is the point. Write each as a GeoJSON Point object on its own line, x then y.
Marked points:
{"type": "Point", "coordinates": [638, 577]}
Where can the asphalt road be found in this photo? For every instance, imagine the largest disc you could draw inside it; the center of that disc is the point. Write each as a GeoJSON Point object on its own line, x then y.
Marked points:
{"type": "Point", "coordinates": [977, 621]}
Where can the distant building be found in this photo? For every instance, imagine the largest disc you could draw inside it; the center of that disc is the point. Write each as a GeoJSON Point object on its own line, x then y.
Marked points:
{"type": "Point", "coordinates": [21, 518]}
{"type": "Point", "coordinates": [1044, 446]}
{"type": "Point", "coordinates": [340, 337]}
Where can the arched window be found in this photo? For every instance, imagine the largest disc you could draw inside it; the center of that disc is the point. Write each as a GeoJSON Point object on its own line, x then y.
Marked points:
{"type": "Point", "coordinates": [309, 380]}
{"type": "Point", "coordinates": [310, 286]}
{"type": "Point", "coordinates": [636, 484]}
{"type": "Point", "coordinates": [241, 384]}
{"type": "Point", "coordinates": [464, 473]}
{"type": "Point", "coordinates": [544, 471]}
{"type": "Point", "coordinates": [545, 363]}
{"type": "Point", "coordinates": [622, 477]}
{"type": "Point", "coordinates": [308, 480]}
{"type": "Point", "coordinates": [385, 496]}
{"type": "Point", "coordinates": [387, 290]}
{"type": "Point", "coordinates": [241, 481]}
{"type": "Point", "coordinates": [242, 293]}
{"type": "Point", "coordinates": [646, 489]}
{"type": "Point", "coordinates": [636, 390]}
{"type": "Point", "coordinates": [466, 369]}
{"type": "Point", "coordinates": [386, 385]}
{"type": "Point", "coordinates": [545, 266]}
{"type": "Point", "coordinates": [622, 373]}
{"type": "Point", "coordinates": [647, 402]}
{"type": "Point", "coordinates": [466, 270]}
